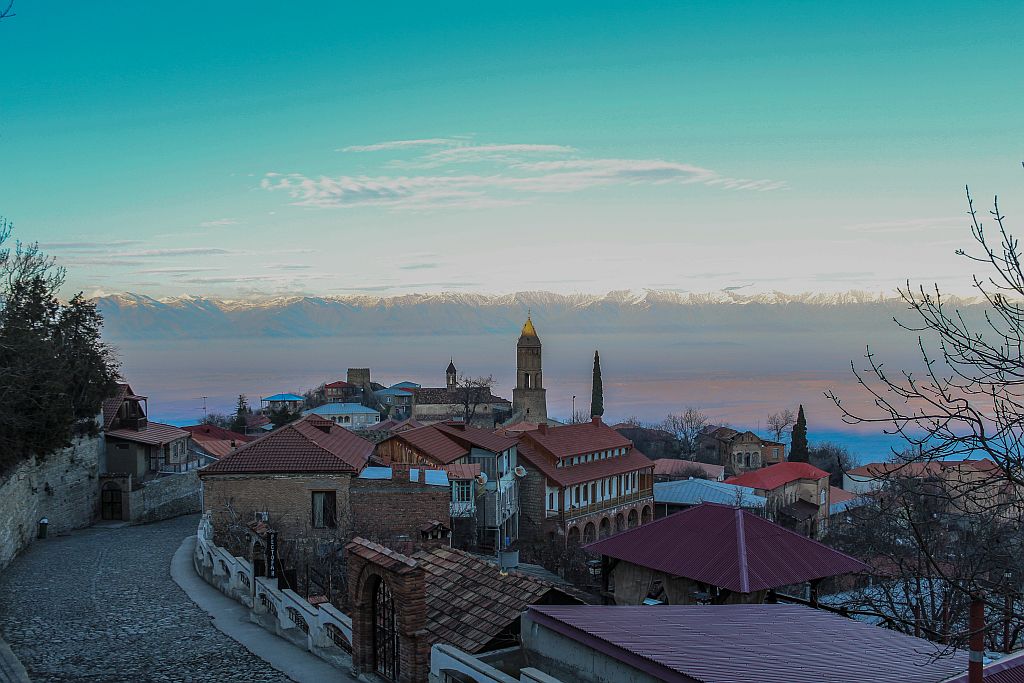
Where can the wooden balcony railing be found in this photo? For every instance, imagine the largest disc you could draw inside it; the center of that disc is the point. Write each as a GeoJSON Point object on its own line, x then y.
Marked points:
{"type": "Point", "coordinates": [604, 504]}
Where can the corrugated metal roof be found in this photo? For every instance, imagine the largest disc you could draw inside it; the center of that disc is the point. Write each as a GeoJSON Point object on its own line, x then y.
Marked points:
{"type": "Point", "coordinates": [341, 409]}
{"type": "Point", "coordinates": [672, 467]}
{"type": "Point", "coordinates": [632, 461]}
{"type": "Point", "coordinates": [284, 397]}
{"type": "Point", "coordinates": [727, 547]}
{"type": "Point", "coordinates": [566, 441]}
{"type": "Point", "coordinates": [750, 644]}
{"type": "Point", "coordinates": [696, 491]}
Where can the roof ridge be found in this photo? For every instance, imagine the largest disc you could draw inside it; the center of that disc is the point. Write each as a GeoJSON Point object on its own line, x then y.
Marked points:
{"type": "Point", "coordinates": [741, 540]}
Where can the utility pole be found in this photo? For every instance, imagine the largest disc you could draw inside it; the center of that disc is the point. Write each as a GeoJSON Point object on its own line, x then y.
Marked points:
{"type": "Point", "coordinates": [573, 416]}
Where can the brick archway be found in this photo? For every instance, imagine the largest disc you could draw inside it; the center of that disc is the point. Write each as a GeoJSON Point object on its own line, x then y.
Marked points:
{"type": "Point", "coordinates": [633, 519]}
{"type": "Point", "coordinates": [620, 522]}
{"type": "Point", "coordinates": [604, 530]}
{"type": "Point", "coordinates": [646, 515]}
{"type": "Point", "coordinates": [573, 537]}
{"type": "Point", "coordinates": [589, 533]}
{"type": "Point", "coordinates": [379, 582]}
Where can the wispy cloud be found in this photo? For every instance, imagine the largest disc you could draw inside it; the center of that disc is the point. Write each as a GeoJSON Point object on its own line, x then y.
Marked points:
{"type": "Point", "coordinates": [419, 266]}
{"type": "Point", "coordinates": [401, 144]}
{"type": "Point", "coordinates": [173, 270]}
{"type": "Point", "coordinates": [219, 223]}
{"type": "Point", "coordinates": [910, 224]}
{"type": "Point", "coordinates": [516, 176]}
{"type": "Point", "coordinates": [83, 247]}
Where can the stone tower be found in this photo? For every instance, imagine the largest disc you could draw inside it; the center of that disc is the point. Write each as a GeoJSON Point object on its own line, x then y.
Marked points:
{"type": "Point", "coordinates": [451, 375]}
{"type": "Point", "coordinates": [528, 398]}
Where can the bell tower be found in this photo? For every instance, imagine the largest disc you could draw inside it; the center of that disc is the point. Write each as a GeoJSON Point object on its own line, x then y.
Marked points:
{"type": "Point", "coordinates": [451, 375]}
{"type": "Point", "coordinates": [528, 398]}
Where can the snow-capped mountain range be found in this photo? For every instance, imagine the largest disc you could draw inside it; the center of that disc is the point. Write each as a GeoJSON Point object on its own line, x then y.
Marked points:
{"type": "Point", "coordinates": [136, 316]}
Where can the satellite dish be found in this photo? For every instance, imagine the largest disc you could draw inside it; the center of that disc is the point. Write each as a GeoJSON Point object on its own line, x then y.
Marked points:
{"type": "Point", "coordinates": [481, 478]}
{"type": "Point", "coordinates": [520, 471]}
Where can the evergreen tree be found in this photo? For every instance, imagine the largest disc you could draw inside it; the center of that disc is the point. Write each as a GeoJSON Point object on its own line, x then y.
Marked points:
{"type": "Point", "coordinates": [798, 448]}
{"type": "Point", "coordinates": [241, 413]}
{"type": "Point", "coordinates": [597, 398]}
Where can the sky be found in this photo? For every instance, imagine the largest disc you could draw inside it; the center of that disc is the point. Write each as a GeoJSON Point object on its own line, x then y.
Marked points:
{"type": "Point", "coordinates": [249, 149]}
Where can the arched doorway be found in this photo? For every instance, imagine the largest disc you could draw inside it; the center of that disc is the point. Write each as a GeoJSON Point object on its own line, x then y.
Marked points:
{"type": "Point", "coordinates": [633, 518]}
{"type": "Point", "coordinates": [605, 529]}
{"type": "Point", "coordinates": [110, 501]}
{"type": "Point", "coordinates": [385, 635]}
{"type": "Point", "coordinates": [574, 535]}
{"type": "Point", "coordinates": [620, 522]}
{"type": "Point", "coordinates": [589, 532]}
{"type": "Point", "coordinates": [646, 516]}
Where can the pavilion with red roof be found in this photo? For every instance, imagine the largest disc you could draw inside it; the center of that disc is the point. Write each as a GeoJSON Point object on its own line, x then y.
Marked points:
{"type": "Point", "coordinates": [716, 554]}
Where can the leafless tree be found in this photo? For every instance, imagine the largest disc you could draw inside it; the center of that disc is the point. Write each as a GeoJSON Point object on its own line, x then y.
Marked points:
{"type": "Point", "coordinates": [779, 422]}
{"type": "Point", "coordinates": [579, 417]}
{"type": "Point", "coordinates": [967, 401]}
{"type": "Point", "coordinates": [686, 426]}
{"type": "Point", "coordinates": [471, 393]}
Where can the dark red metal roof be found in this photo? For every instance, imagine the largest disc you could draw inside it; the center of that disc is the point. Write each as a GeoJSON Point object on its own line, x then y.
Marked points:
{"type": "Point", "coordinates": [632, 461]}
{"type": "Point", "coordinates": [774, 476]}
{"type": "Point", "coordinates": [749, 644]}
{"type": "Point", "coordinates": [727, 547]}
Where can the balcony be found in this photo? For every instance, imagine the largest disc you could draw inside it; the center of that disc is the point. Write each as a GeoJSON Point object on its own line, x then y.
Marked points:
{"type": "Point", "coordinates": [500, 505]}
{"type": "Point", "coordinates": [618, 501]}
{"type": "Point", "coordinates": [136, 423]}
{"type": "Point", "coordinates": [463, 509]}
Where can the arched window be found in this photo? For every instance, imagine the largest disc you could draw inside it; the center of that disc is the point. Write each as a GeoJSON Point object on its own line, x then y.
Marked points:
{"type": "Point", "coordinates": [385, 635]}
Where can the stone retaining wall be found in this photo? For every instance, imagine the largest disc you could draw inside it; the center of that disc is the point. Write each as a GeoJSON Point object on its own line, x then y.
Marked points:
{"type": "Point", "coordinates": [61, 487]}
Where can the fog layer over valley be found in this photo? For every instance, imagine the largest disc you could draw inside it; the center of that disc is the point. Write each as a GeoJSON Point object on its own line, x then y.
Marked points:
{"type": "Point", "coordinates": [737, 357]}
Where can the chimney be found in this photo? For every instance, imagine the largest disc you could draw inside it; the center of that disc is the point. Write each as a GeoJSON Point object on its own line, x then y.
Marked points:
{"type": "Point", "coordinates": [595, 419]}
{"type": "Point", "coordinates": [976, 625]}
{"type": "Point", "coordinates": [542, 427]}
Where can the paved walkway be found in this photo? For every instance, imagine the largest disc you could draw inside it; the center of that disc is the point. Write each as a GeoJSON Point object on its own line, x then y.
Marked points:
{"type": "Point", "coordinates": [99, 605]}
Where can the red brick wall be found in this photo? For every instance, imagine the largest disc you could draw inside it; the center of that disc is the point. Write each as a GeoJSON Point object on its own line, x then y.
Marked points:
{"type": "Point", "coordinates": [386, 510]}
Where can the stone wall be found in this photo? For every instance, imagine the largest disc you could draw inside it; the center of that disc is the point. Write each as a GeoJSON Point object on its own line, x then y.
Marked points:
{"type": "Point", "coordinates": [166, 497]}
{"type": "Point", "coordinates": [61, 487]}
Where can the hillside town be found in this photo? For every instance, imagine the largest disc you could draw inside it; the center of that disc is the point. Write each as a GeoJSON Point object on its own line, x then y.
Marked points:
{"type": "Point", "coordinates": [419, 533]}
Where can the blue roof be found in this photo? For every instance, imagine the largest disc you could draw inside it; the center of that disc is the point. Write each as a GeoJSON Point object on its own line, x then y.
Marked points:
{"type": "Point", "coordinates": [391, 392]}
{"type": "Point", "coordinates": [836, 508]}
{"type": "Point", "coordinates": [696, 491]}
{"type": "Point", "coordinates": [341, 409]}
{"type": "Point", "coordinates": [375, 473]}
{"type": "Point", "coordinates": [284, 397]}
{"type": "Point", "coordinates": [407, 385]}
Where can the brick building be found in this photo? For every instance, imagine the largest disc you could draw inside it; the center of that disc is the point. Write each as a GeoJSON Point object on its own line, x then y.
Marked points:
{"type": "Point", "coordinates": [738, 451]}
{"type": "Point", "coordinates": [490, 501]}
{"type": "Point", "coordinates": [407, 509]}
{"type": "Point", "coordinates": [298, 475]}
{"type": "Point", "coordinates": [584, 482]}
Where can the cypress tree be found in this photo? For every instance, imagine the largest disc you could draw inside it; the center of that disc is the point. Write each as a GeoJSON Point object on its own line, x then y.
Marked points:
{"type": "Point", "coordinates": [597, 397]}
{"type": "Point", "coordinates": [798, 448]}
{"type": "Point", "coordinates": [241, 413]}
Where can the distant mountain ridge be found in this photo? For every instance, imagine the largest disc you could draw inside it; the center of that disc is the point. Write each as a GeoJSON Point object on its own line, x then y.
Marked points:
{"type": "Point", "coordinates": [136, 316]}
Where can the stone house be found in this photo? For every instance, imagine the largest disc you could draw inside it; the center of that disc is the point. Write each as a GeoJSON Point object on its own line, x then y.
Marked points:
{"type": "Point", "coordinates": [341, 392]}
{"type": "Point", "coordinates": [797, 495]}
{"type": "Point", "coordinates": [439, 404]}
{"type": "Point", "coordinates": [297, 478]}
{"type": "Point", "coordinates": [140, 448]}
{"type": "Point", "coordinates": [583, 482]}
{"type": "Point", "coordinates": [738, 451]}
{"type": "Point", "coordinates": [486, 506]}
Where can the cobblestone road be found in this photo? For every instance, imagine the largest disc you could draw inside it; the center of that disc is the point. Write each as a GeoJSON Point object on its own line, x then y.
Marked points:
{"type": "Point", "coordinates": [99, 605]}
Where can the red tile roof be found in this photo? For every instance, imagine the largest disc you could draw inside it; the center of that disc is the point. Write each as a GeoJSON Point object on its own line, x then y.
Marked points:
{"type": "Point", "coordinates": [566, 441]}
{"type": "Point", "coordinates": [300, 446]}
{"type": "Point", "coordinates": [774, 476]}
{"type": "Point", "coordinates": [215, 433]}
{"type": "Point", "coordinates": [217, 448]}
{"type": "Point", "coordinates": [113, 404]}
{"type": "Point", "coordinates": [673, 467]}
{"type": "Point", "coordinates": [576, 474]}
{"type": "Point", "coordinates": [481, 438]}
{"type": "Point", "coordinates": [340, 384]}
{"type": "Point", "coordinates": [469, 602]}
{"type": "Point", "coordinates": [445, 396]}
{"type": "Point", "coordinates": [745, 644]}
{"type": "Point", "coordinates": [727, 547]}
{"type": "Point", "coordinates": [155, 434]}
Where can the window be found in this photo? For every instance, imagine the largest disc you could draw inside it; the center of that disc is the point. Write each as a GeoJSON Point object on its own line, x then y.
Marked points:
{"type": "Point", "coordinates": [463, 491]}
{"type": "Point", "coordinates": [775, 452]}
{"type": "Point", "coordinates": [551, 501]}
{"type": "Point", "coordinates": [821, 497]}
{"type": "Point", "coordinates": [324, 510]}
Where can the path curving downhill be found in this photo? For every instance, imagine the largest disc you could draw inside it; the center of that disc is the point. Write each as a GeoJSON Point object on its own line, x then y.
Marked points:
{"type": "Point", "coordinates": [99, 605]}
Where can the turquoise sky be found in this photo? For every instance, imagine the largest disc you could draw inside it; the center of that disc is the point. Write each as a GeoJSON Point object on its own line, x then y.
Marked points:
{"type": "Point", "coordinates": [242, 149]}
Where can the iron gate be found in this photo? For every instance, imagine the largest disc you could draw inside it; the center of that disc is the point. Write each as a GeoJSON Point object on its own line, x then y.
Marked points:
{"type": "Point", "coordinates": [110, 501]}
{"type": "Point", "coordinates": [385, 635]}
